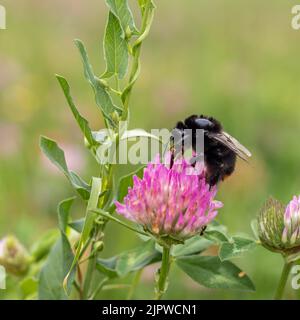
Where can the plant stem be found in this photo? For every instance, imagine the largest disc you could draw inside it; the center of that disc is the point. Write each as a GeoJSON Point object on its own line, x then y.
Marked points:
{"type": "Point", "coordinates": [98, 289]}
{"type": "Point", "coordinates": [283, 279]}
{"type": "Point", "coordinates": [135, 282]}
{"type": "Point", "coordinates": [89, 275]}
{"type": "Point", "coordinates": [135, 69]}
{"type": "Point", "coordinates": [92, 263]}
{"type": "Point", "coordinates": [163, 273]}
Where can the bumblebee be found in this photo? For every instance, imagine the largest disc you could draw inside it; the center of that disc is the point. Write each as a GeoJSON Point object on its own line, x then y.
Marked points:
{"type": "Point", "coordinates": [220, 148]}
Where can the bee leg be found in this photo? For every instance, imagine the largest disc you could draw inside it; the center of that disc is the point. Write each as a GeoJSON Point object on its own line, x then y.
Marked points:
{"type": "Point", "coordinates": [203, 230]}
{"type": "Point", "coordinates": [196, 159]}
{"type": "Point", "coordinates": [213, 179]}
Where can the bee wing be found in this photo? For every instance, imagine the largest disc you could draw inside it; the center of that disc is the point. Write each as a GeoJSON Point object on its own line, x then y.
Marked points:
{"type": "Point", "coordinates": [231, 143]}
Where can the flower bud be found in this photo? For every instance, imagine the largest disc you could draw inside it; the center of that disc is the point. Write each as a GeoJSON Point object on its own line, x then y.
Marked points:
{"type": "Point", "coordinates": [13, 256]}
{"type": "Point", "coordinates": [279, 226]}
{"type": "Point", "coordinates": [291, 232]}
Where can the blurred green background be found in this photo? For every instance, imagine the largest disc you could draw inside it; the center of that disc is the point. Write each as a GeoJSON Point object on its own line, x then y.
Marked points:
{"type": "Point", "coordinates": [235, 60]}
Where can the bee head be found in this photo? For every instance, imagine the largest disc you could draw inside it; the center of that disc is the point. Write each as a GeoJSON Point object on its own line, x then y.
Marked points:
{"type": "Point", "coordinates": [203, 122]}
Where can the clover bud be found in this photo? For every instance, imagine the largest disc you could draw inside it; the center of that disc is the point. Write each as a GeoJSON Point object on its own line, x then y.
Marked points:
{"type": "Point", "coordinates": [13, 256]}
{"type": "Point", "coordinates": [279, 226]}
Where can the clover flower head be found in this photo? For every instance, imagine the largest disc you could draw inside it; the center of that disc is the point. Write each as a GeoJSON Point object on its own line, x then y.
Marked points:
{"type": "Point", "coordinates": [171, 201]}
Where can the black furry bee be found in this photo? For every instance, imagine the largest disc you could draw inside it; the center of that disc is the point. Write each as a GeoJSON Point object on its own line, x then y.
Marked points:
{"type": "Point", "coordinates": [220, 149]}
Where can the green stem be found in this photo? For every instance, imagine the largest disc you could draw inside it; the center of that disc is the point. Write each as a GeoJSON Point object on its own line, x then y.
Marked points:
{"type": "Point", "coordinates": [98, 289]}
{"type": "Point", "coordinates": [92, 262]}
{"type": "Point", "coordinates": [136, 52]}
{"type": "Point", "coordinates": [283, 279]}
{"type": "Point", "coordinates": [89, 274]}
{"type": "Point", "coordinates": [135, 283]}
{"type": "Point", "coordinates": [163, 273]}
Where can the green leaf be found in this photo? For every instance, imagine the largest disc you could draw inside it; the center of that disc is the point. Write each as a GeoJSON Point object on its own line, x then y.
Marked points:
{"type": "Point", "coordinates": [29, 287]}
{"type": "Point", "coordinates": [56, 155]}
{"type": "Point", "coordinates": [92, 204]}
{"type": "Point", "coordinates": [77, 225]}
{"type": "Point", "coordinates": [211, 272]}
{"type": "Point", "coordinates": [41, 248]}
{"type": "Point", "coordinates": [115, 49]}
{"type": "Point", "coordinates": [58, 262]}
{"type": "Point", "coordinates": [137, 258]}
{"type": "Point", "coordinates": [52, 275]}
{"type": "Point", "coordinates": [143, 3]}
{"type": "Point", "coordinates": [88, 222]}
{"type": "Point", "coordinates": [216, 233]}
{"type": "Point", "coordinates": [192, 246]}
{"type": "Point", "coordinates": [82, 122]}
{"type": "Point", "coordinates": [129, 261]}
{"type": "Point", "coordinates": [127, 182]}
{"type": "Point", "coordinates": [107, 267]}
{"type": "Point", "coordinates": [121, 10]}
{"type": "Point", "coordinates": [102, 96]}
{"type": "Point", "coordinates": [237, 247]}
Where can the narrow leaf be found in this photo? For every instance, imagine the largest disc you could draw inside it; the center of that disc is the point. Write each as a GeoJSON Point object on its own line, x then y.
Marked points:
{"type": "Point", "coordinates": [82, 122]}
{"type": "Point", "coordinates": [88, 223]}
{"type": "Point", "coordinates": [56, 155]}
{"type": "Point", "coordinates": [102, 96]}
{"type": "Point", "coordinates": [92, 204]}
{"type": "Point", "coordinates": [63, 219]}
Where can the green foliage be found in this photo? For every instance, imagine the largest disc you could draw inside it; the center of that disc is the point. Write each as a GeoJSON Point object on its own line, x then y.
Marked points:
{"type": "Point", "coordinates": [229, 246]}
{"type": "Point", "coordinates": [121, 10]}
{"type": "Point", "coordinates": [58, 262]}
{"type": "Point", "coordinates": [83, 123]}
{"type": "Point", "coordinates": [127, 182]}
{"type": "Point", "coordinates": [129, 261]}
{"type": "Point", "coordinates": [122, 48]}
{"type": "Point", "coordinates": [56, 155]}
{"type": "Point", "coordinates": [235, 248]}
{"type": "Point", "coordinates": [88, 223]}
{"type": "Point", "coordinates": [103, 99]}
{"type": "Point", "coordinates": [211, 272]}
{"type": "Point", "coordinates": [42, 247]}
{"type": "Point", "coordinates": [29, 287]}
{"type": "Point", "coordinates": [115, 48]}
{"type": "Point", "coordinates": [77, 225]}
{"type": "Point", "coordinates": [192, 246]}
{"type": "Point", "coordinates": [217, 233]}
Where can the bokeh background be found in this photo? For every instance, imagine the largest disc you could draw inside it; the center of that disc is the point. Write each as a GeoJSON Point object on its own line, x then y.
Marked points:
{"type": "Point", "coordinates": [235, 60]}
